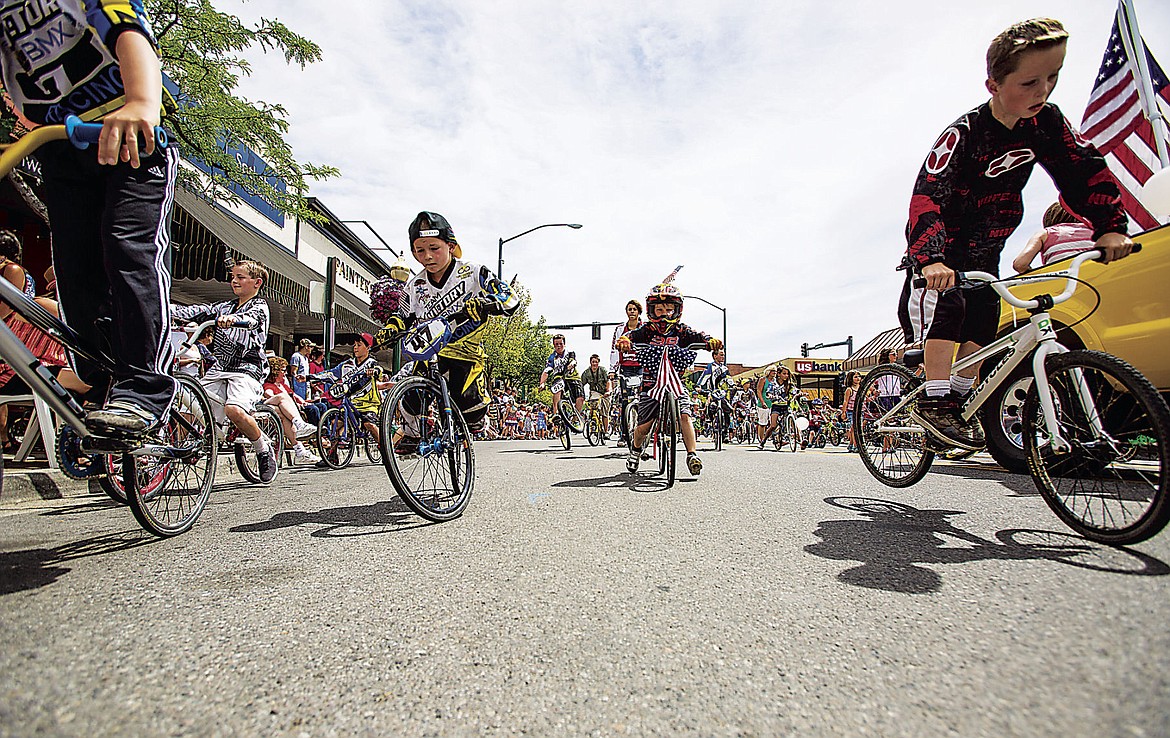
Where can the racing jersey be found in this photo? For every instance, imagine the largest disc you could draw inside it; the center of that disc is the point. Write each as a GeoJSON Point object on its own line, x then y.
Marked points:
{"type": "Point", "coordinates": [967, 199]}
{"type": "Point", "coordinates": [236, 349]}
{"type": "Point", "coordinates": [651, 346]}
{"type": "Point", "coordinates": [58, 55]}
{"type": "Point", "coordinates": [712, 376]}
{"type": "Point", "coordinates": [780, 393]}
{"type": "Point", "coordinates": [562, 365]}
{"type": "Point", "coordinates": [426, 300]}
{"type": "Point", "coordinates": [627, 360]}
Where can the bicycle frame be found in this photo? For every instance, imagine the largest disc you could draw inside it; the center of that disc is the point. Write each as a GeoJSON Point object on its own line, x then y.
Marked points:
{"type": "Point", "coordinates": [1037, 337]}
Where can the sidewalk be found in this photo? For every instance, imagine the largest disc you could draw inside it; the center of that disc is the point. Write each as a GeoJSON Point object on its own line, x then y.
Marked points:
{"type": "Point", "coordinates": [34, 481]}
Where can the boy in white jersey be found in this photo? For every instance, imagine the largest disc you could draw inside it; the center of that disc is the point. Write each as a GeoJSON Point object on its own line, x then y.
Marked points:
{"type": "Point", "coordinates": [447, 286]}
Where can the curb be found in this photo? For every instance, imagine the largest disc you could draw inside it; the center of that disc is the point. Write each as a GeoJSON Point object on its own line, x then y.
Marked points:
{"type": "Point", "coordinates": [24, 486]}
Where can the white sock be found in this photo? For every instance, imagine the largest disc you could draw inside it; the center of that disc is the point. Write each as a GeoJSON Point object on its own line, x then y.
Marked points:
{"type": "Point", "coordinates": [937, 387]}
{"type": "Point", "coordinates": [962, 385]}
{"type": "Point", "coordinates": [260, 444]}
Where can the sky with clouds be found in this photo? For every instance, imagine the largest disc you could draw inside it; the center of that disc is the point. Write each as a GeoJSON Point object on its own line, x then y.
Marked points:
{"type": "Point", "coordinates": [769, 147]}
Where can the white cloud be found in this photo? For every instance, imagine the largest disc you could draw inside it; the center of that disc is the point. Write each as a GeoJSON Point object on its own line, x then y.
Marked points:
{"type": "Point", "coordinates": [771, 148]}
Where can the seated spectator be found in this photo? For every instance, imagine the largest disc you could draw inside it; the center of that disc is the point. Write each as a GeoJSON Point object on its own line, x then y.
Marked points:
{"type": "Point", "coordinates": [51, 353]}
{"type": "Point", "coordinates": [278, 395]}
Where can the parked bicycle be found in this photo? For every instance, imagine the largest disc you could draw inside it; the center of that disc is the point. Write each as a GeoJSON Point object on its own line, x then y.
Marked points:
{"type": "Point", "coordinates": [1094, 429]}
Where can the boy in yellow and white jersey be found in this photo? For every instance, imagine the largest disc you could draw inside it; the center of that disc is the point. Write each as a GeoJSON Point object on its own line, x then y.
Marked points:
{"type": "Point", "coordinates": [445, 286]}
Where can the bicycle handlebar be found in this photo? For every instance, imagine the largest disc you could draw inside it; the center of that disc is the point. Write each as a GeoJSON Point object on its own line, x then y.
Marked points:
{"type": "Point", "coordinates": [1001, 286]}
{"type": "Point", "coordinates": [81, 135]}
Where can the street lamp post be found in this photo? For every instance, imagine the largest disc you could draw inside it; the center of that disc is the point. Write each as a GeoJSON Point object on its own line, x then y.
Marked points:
{"type": "Point", "coordinates": [500, 264]}
{"type": "Point", "coordinates": [721, 309]}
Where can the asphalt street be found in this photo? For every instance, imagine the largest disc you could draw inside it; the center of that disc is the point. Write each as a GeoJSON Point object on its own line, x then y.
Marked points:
{"type": "Point", "coordinates": [777, 594]}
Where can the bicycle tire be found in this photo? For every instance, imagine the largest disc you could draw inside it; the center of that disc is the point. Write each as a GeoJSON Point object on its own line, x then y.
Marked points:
{"type": "Point", "coordinates": [1111, 491]}
{"type": "Point", "coordinates": [569, 414]}
{"type": "Point", "coordinates": [672, 415]}
{"type": "Point", "coordinates": [904, 461]}
{"type": "Point", "coordinates": [717, 428]}
{"type": "Point", "coordinates": [373, 450]}
{"type": "Point", "coordinates": [434, 481]}
{"type": "Point", "coordinates": [833, 435]}
{"type": "Point", "coordinates": [564, 435]}
{"type": "Point", "coordinates": [631, 421]}
{"type": "Point", "coordinates": [269, 423]}
{"type": "Point", "coordinates": [173, 506]}
{"type": "Point", "coordinates": [592, 431]}
{"type": "Point", "coordinates": [342, 438]}
{"type": "Point", "coordinates": [791, 433]}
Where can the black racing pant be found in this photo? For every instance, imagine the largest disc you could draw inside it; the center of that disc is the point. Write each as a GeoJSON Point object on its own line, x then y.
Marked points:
{"type": "Point", "coordinates": [112, 257]}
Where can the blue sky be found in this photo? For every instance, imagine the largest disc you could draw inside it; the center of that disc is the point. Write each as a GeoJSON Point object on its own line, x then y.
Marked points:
{"type": "Point", "coordinates": [770, 148]}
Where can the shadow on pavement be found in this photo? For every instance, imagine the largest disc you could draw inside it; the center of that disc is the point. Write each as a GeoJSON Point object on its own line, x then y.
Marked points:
{"type": "Point", "coordinates": [341, 522]}
{"type": "Point", "coordinates": [1021, 484]}
{"type": "Point", "coordinates": [35, 567]}
{"type": "Point", "coordinates": [892, 541]}
{"type": "Point", "coordinates": [642, 482]}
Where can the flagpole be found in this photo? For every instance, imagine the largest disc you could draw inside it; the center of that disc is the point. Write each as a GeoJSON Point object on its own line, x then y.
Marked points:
{"type": "Point", "coordinates": [1132, 38]}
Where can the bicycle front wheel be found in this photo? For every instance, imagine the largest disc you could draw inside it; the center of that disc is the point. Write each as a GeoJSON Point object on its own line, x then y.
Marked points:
{"type": "Point", "coordinates": [178, 488]}
{"type": "Point", "coordinates": [670, 430]}
{"type": "Point", "coordinates": [1111, 484]}
{"type": "Point", "coordinates": [568, 413]}
{"type": "Point", "coordinates": [791, 433]}
{"type": "Point", "coordinates": [631, 419]}
{"type": "Point", "coordinates": [593, 431]}
{"type": "Point", "coordinates": [337, 439]}
{"type": "Point", "coordinates": [892, 445]}
{"type": "Point", "coordinates": [426, 451]}
{"type": "Point", "coordinates": [718, 423]}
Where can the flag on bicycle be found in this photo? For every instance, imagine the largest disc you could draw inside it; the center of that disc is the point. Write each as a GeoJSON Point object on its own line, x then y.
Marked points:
{"type": "Point", "coordinates": [667, 379]}
{"type": "Point", "coordinates": [1121, 119]}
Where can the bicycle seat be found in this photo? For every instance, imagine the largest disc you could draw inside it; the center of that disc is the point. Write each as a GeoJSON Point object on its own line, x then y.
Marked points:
{"type": "Point", "coordinates": [913, 358]}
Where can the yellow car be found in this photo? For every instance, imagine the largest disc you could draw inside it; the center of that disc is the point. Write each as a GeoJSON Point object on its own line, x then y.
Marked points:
{"type": "Point", "coordinates": [1130, 319]}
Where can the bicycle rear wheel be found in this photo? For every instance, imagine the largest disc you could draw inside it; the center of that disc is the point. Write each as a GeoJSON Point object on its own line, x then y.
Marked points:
{"type": "Point", "coordinates": [1110, 487]}
{"type": "Point", "coordinates": [337, 439]}
{"type": "Point", "coordinates": [427, 453]}
{"type": "Point", "coordinates": [269, 423]}
{"type": "Point", "coordinates": [892, 445]}
{"type": "Point", "coordinates": [180, 487]}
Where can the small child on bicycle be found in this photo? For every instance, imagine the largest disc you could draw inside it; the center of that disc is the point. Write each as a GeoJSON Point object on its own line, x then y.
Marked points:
{"type": "Point", "coordinates": [449, 287]}
{"type": "Point", "coordinates": [109, 205]}
{"type": "Point", "coordinates": [664, 338]}
{"type": "Point", "coordinates": [967, 201]}
{"type": "Point", "coordinates": [235, 384]}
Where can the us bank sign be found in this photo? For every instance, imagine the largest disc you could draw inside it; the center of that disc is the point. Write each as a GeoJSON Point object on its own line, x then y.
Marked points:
{"type": "Point", "coordinates": [811, 366]}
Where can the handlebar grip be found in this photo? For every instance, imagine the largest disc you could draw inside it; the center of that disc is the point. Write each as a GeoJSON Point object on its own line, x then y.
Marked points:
{"type": "Point", "coordinates": [1136, 248]}
{"type": "Point", "coordinates": [920, 282]}
{"type": "Point", "coordinates": [81, 135]}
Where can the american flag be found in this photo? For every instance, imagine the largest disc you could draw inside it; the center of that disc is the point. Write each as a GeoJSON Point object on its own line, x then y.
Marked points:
{"type": "Point", "coordinates": [1116, 124]}
{"type": "Point", "coordinates": [667, 378]}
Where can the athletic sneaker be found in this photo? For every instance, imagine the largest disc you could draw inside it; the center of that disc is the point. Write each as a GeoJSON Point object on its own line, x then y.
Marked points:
{"type": "Point", "coordinates": [304, 429]}
{"type": "Point", "coordinates": [120, 418]}
{"type": "Point", "coordinates": [266, 464]}
{"type": "Point", "coordinates": [694, 464]}
{"type": "Point", "coordinates": [632, 459]}
{"type": "Point", "coordinates": [941, 415]}
{"type": "Point", "coordinates": [302, 455]}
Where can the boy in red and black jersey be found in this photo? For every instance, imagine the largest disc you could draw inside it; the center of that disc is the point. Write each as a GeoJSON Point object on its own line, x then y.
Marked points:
{"type": "Point", "coordinates": [967, 201]}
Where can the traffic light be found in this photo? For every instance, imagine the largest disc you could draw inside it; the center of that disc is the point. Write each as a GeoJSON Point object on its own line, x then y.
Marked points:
{"type": "Point", "coordinates": [804, 350]}
{"type": "Point", "coordinates": [596, 332]}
